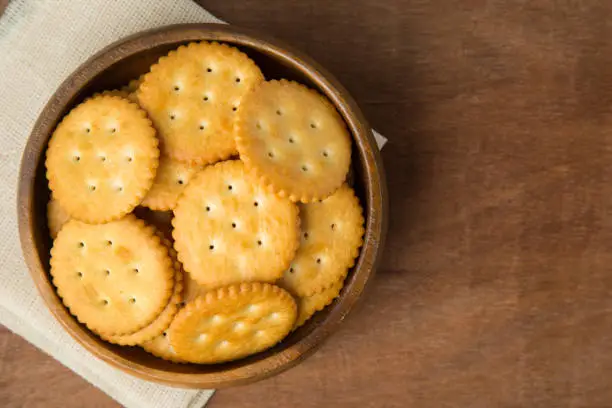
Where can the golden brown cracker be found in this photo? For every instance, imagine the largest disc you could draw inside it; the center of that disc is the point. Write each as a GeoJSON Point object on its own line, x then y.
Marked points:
{"type": "Point", "coordinates": [294, 140]}
{"type": "Point", "coordinates": [161, 323]}
{"type": "Point", "coordinates": [56, 217]}
{"type": "Point", "coordinates": [228, 228]}
{"type": "Point", "coordinates": [160, 347]}
{"type": "Point", "coordinates": [102, 159]}
{"type": "Point", "coordinates": [115, 278]}
{"type": "Point", "coordinates": [309, 305]}
{"type": "Point", "coordinates": [193, 94]}
{"type": "Point", "coordinates": [232, 322]}
{"type": "Point", "coordinates": [170, 181]}
{"type": "Point", "coordinates": [332, 232]}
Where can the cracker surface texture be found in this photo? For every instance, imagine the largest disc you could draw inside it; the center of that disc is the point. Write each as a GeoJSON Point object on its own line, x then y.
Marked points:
{"type": "Point", "coordinates": [170, 181]}
{"type": "Point", "coordinates": [193, 95]}
{"type": "Point", "coordinates": [228, 228]}
{"type": "Point", "coordinates": [232, 322]}
{"type": "Point", "coordinates": [332, 233]}
{"type": "Point", "coordinates": [309, 305]}
{"type": "Point", "coordinates": [160, 347]}
{"type": "Point", "coordinates": [294, 140]}
{"type": "Point", "coordinates": [161, 323]}
{"type": "Point", "coordinates": [102, 159]}
{"type": "Point", "coordinates": [115, 278]}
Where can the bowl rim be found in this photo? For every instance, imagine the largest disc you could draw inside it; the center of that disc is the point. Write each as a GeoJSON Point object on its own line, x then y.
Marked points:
{"type": "Point", "coordinates": [376, 196]}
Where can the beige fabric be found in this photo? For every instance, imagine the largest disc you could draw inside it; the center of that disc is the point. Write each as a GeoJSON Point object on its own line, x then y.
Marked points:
{"type": "Point", "coordinates": [41, 42]}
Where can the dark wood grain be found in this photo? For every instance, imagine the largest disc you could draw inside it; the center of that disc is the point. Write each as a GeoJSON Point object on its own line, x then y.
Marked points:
{"type": "Point", "coordinates": [31, 378]}
{"type": "Point", "coordinates": [496, 287]}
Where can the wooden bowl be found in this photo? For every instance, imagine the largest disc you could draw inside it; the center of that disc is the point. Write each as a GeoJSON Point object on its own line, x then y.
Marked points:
{"type": "Point", "coordinates": [115, 66]}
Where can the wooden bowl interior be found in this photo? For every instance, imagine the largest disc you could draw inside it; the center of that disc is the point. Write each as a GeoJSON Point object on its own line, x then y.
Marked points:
{"type": "Point", "coordinates": [134, 359]}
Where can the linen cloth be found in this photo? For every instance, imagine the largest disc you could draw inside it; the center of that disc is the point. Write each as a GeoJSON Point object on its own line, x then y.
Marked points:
{"type": "Point", "coordinates": [41, 43]}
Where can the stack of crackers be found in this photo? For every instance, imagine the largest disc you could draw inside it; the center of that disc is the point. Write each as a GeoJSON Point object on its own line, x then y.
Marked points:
{"type": "Point", "coordinates": [201, 212]}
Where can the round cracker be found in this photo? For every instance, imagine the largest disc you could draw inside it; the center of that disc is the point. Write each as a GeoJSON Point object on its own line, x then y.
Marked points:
{"type": "Point", "coordinates": [332, 232]}
{"type": "Point", "coordinates": [115, 278]}
{"type": "Point", "coordinates": [232, 322]}
{"type": "Point", "coordinates": [56, 217]}
{"type": "Point", "coordinates": [170, 181]}
{"type": "Point", "coordinates": [102, 159]}
{"type": "Point", "coordinates": [161, 323]}
{"type": "Point", "coordinates": [228, 228]}
{"type": "Point", "coordinates": [193, 95]}
{"type": "Point", "coordinates": [309, 305]}
{"type": "Point", "coordinates": [294, 140]}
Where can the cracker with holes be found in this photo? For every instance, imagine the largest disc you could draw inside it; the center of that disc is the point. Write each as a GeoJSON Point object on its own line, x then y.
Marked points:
{"type": "Point", "coordinates": [332, 232]}
{"type": "Point", "coordinates": [193, 95]}
{"type": "Point", "coordinates": [232, 322]}
{"type": "Point", "coordinates": [56, 217]}
{"type": "Point", "coordinates": [309, 305]}
{"type": "Point", "coordinates": [102, 159]}
{"type": "Point", "coordinates": [161, 323]}
{"type": "Point", "coordinates": [294, 140]}
{"type": "Point", "coordinates": [116, 278]}
{"type": "Point", "coordinates": [228, 228]}
{"type": "Point", "coordinates": [171, 179]}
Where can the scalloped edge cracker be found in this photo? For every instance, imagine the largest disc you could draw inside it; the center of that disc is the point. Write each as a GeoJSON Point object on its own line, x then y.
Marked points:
{"type": "Point", "coordinates": [80, 267]}
{"type": "Point", "coordinates": [242, 233]}
{"type": "Point", "coordinates": [88, 148]}
{"type": "Point", "coordinates": [332, 234]}
{"type": "Point", "coordinates": [162, 322]}
{"type": "Point", "coordinates": [294, 140]}
{"type": "Point", "coordinates": [193, 94]}
{"type": "Point", "coordinates": [309, 305]}
{"type": "Point", "coordinates": [170, 181]}
{"type": "Point", "coordinates": [232, 322]}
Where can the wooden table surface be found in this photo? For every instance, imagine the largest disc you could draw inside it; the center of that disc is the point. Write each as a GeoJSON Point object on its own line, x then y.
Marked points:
{"type": "Point", "coordinates": [496, 284]}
